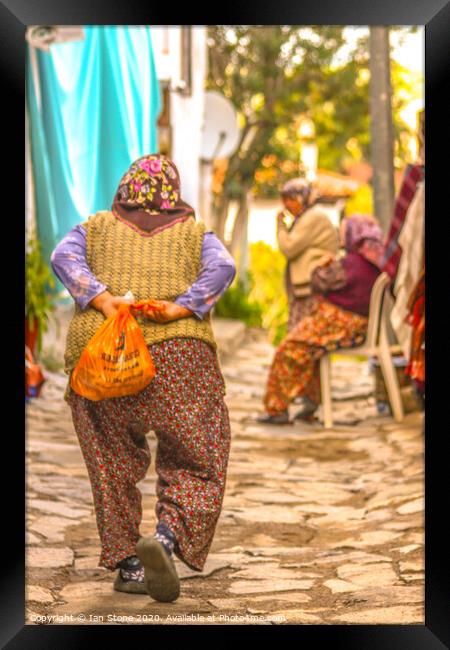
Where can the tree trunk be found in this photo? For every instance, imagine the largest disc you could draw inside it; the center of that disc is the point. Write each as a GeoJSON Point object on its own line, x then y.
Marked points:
{"type": "Point", "coordinates": [219, 215]}
{"type": "Point", "coordinates": [221, 203]}
{"type": "Point", "coordinates": [240, 224]}
{"type": "Point", "coordinates": [381, 126]}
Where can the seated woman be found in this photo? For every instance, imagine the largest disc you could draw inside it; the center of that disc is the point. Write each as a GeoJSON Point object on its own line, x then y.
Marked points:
{"type": "Point", "coordinates": [338, 320]}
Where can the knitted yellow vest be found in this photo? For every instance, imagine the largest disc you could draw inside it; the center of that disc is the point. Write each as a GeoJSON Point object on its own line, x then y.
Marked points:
{"type": "Point", "coordinates": [159, 266]}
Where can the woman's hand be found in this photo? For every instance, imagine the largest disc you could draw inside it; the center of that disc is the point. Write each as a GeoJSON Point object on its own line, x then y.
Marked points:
{"type": "Point", "coordinates": [280, 218]}
{"type": "Point", "coordinates": [325, 260]}
{"type": "Point", "coordinates": [107, 303]}
{"type": "Point", "coordinates": [166, 311]}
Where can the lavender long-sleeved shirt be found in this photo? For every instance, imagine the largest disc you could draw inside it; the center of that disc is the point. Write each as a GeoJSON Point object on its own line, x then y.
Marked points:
{"type": "Point", "coordinates": [217, 272]}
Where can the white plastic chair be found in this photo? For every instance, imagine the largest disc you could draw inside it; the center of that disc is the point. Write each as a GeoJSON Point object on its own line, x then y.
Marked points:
{"type": "Point", "coordinates": [376, 344]}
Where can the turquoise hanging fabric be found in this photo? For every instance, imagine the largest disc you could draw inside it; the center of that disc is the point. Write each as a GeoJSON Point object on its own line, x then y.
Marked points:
{"type": "Point", "coordinates": [94, 111]}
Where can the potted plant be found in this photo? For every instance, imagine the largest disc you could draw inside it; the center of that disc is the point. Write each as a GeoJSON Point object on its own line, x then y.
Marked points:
{"type": "Point", "coordinates": [38, 304]}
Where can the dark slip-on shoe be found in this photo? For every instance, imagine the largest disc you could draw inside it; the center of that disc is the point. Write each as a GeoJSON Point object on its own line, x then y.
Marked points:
{"type": "Point", "coordinates": [305, 416]}
{"type": "Point", "coordinates": [161, 578]}
{"type": "Point", "coordinates": [279, 418]}
{"type": "Point", "coordinates": [307, 413]}
{"type": "Point", "coordinates": [129, 586]}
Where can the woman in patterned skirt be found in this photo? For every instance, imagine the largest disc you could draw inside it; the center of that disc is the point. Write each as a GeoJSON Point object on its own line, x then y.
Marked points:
{"type": "Point", "coordinates": [150, 243]}
{"type": "Point", "coordinates": [338, 319]}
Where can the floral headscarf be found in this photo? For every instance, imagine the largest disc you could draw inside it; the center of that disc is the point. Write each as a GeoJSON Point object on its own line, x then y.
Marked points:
{"type": "Point", "coordinates": [148, 194]}
{"type": "Point", "coordinates": [363, 235]}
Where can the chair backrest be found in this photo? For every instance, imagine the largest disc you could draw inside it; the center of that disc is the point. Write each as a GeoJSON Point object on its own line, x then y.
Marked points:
{"type": "Point", "coordinates": [376, 309]}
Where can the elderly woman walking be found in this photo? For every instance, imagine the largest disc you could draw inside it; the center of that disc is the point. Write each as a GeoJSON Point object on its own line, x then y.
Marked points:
{"type": "Point", "coordinates": [338, 319]}
{"type": "Point", "coordinates": [150, 243]}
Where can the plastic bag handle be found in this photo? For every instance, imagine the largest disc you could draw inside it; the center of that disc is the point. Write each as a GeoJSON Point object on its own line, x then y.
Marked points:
{"type": "Point", "coordinates": [123, 312]}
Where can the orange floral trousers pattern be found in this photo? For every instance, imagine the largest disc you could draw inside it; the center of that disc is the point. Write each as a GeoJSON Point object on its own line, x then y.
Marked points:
{"type": "Point", "coordinates": [295, 368]}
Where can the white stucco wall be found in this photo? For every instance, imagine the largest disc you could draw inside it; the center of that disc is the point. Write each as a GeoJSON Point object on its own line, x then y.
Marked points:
{"type": "Point", "coordinates": [186, 112]}
{"type": "Point", "coordinates": [30, 210]}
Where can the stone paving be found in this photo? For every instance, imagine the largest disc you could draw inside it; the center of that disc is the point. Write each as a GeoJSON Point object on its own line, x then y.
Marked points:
{"type": "Point", "coordinates": [318, 526]}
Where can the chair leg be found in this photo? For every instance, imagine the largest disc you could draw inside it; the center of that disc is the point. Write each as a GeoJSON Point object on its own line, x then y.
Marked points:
{"type": "Point", "coordinates": [390, 378]}
{"type": "Point", "coordinates": [325, 389]}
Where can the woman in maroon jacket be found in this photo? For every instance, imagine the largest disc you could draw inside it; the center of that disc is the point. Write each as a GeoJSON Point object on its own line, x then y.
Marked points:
{"type": "Point", "coordinates": [338, 320]}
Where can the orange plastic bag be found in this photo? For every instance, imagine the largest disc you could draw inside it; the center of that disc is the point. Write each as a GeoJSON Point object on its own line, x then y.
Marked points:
{"type": "Point", "coordinates": [116, 361]}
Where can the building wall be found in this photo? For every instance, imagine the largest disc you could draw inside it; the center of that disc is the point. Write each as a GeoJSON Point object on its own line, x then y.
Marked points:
{"type": "Point", "coordinates": [186, 111]}
{"type": "Point", "coordinates": [30, 203]}
{"type": "Point", "coordinates": [30, 214]}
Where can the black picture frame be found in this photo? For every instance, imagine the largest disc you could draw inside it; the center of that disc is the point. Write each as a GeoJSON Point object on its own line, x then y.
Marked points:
{"type": "Point", "coordinates": [15, 16]}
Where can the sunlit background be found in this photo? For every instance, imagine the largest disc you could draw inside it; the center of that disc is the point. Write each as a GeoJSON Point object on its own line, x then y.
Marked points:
{"type": "Point", "coordinates": [240, 110]}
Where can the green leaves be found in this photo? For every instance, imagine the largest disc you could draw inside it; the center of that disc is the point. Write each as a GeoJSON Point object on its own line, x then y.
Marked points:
{"type": "Point", "coordinates": [235, 303]}
{"type": "Point", "coordinates": [261, 301]}
{"type": "Point", "coordinates": [272, 74]}
{"type": "Point", "coordinates": [38, 280]}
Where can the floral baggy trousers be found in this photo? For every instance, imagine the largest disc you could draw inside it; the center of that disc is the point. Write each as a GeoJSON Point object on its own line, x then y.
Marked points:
{"type": "Point", "coordinates": [295, 368]}
{"type": "Point", "coordinates": [184, 406]}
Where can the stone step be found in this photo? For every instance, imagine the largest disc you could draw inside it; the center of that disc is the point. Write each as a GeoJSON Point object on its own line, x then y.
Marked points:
{"type": "Point", "coordinates": [230, 334]}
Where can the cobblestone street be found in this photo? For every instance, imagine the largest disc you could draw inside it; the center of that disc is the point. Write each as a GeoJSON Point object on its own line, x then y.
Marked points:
{"type": "Point", "coordinates": [318, 526]}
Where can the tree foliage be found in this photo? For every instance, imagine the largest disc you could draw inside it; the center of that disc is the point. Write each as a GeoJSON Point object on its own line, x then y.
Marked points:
{"type": "Point", "coordinates": [259, 301]}
{"type": "Point", "coordinates": [268, 73]}
{"type": "Point", "coordinates": [38, 282]}
{"type": "Point", "coordinates": [274, 74]}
